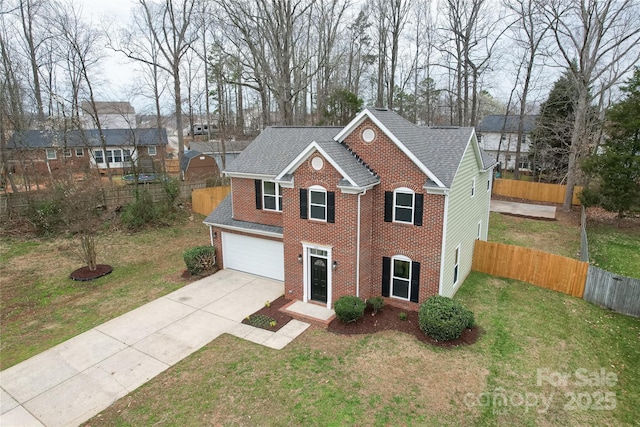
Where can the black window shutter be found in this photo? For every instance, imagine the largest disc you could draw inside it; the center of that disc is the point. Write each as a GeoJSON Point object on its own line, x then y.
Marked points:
{"type": "Point", "coordinates": [417, 215]}
{"type": "Point", "coordinates": [415, 281]}
{"type": "Point", "coordinates": [303, 203]}
{"type": "Point", "coordinates": [258, 184]}
{"type": "Point", "coordinates": [331, 206]}
{"type": "Point", "coordinates": [388, 206]}
{"type": "Point", "coordinates": [386, 276]}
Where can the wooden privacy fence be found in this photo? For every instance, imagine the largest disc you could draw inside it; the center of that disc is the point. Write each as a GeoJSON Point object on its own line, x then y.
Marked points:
{"type": "Point", "coordinates": [538, 191]}
{"type": "Point", "coordinates": [542, 269]}
{"type": "Point", "coordinates": [205, 200]}
{"type": "Point", "coordinates": [613, 291]}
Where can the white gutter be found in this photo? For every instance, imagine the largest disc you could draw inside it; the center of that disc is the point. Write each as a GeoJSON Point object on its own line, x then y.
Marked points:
{"type": "Point", "coordinates": [211, 234]}
{"type": "Point", "coordinates": [444, 241]}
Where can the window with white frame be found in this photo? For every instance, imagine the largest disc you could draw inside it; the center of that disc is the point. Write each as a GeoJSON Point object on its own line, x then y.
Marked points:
{"type": "Point", "coordinates": [479, 230]}
{"type": "Point", "coordinates": [66, 152]}
{"type": "Point", "coordinates": [400, 277]}
{"type": "Point", "coordinates": [151, 150]}
{"type": "Point", "coordinates": [473, 187]}
{"type": "Point", "coordinates": [79, 152]}
{"type": "Point", "coordinates": [456, 265]}
{"type": "Point", "coordinates": [126, 155]}
{"type": "Point", "coordinates": [403, 205]}
{"type": "Point", "coordinates": [99, 156]}
{"type": "Point", "coordinates": [271, 196]}
{"type": "Point", "coordinates": [51, 154]}
{"type": "Point", "coordinates": [317, 203]}
{"type": "Point", "coordinates": [489, 184]}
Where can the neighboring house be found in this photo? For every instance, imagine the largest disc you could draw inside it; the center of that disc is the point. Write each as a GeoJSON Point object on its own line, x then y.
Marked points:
{"type": "Point", "coordinates": [379, 207]}
{"type": "Point", "coordinates": [80, 150]}
{"type": "Point", "coordinates": [112, 115]}
{"type": "Point", "coordinates": [492, 128]}
{"type": "Point", "coordinates": [196, 165]}
{"type": "Point", "coordinates": [233, 148]}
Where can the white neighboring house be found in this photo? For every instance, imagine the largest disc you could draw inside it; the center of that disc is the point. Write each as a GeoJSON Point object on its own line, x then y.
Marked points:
{"type": "Point", "coordinates": [490, 130]}
{"type": "Point", "coordinates": [112, 115]}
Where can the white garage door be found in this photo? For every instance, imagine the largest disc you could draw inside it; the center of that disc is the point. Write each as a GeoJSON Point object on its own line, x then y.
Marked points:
{"type": "Point", "coordinates": [253, 255]}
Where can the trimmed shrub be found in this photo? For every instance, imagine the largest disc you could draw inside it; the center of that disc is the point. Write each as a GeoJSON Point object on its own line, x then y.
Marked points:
{"type": "Point", "coordinates": [376, 303]}
{"type": "Point", "coordinates": [349, 308]}
{"type": "Point", "coordinates": [444, 319]}
{"type": "Point", "coordinates": [199, 259]}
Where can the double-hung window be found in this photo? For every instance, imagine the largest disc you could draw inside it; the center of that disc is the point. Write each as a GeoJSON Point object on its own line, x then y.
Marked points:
{"type": "Point", "coordinates": [126, 154]}
{"type": "Point", "coordinates": [151, 150]}
{"type": "Point", "coordinates": [79, 152]}
{"type": "Point", "coordinates": [318, 203]}
{"type": "Point", "coordinates": [456, 265]}
{"type": "Point", "coordinates": [271, 196]}
{"type": "Point", "coordinates": [51, 154]}
{"type": "Point", "coordinates": [403, 206]}
{"type": "Point", "coordinates": [401, 278]}
{"type": "Point", "coordinates": [67, 152]}
{"type": "Point", "coordinates": [99, 156]}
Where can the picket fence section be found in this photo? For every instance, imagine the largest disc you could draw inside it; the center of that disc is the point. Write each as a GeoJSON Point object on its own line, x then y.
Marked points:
{"type": "Point", "coordinates": [542, 269]}
{"type": "Point", "coordinates": [613, 291]}
{"type": "Point", "coordinates": [536, 191]}
{"type": "Point", "coordinates": [205, 200]}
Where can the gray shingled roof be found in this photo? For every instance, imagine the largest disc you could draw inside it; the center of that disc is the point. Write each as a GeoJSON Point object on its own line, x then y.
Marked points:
{"type": "Point", "coordinates": [354, 168]}
{"type": "Point", "coordinates": [276, 147]}
{"type": "Point", "coordinates": [35, 139]}
{"type": "Point", "coordinates": [494, 123]}
{"type": "Point", "coordinates": [208, 147]}
{"type": "Point", "coordinates": [222, 216]}
{"type": "Point", "coordinates": [440, 149]}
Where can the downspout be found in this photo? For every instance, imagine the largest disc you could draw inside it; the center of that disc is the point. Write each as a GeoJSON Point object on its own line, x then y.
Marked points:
{"type": "Point", "coordinates": [211, 235]}
{"type": "Point", "coordinates": [358, 248]}
{"type": "Point", "coordinates": [444, 241]}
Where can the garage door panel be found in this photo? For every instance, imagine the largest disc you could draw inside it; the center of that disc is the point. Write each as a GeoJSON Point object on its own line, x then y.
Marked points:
{"type": "Point", "coordinates": [253, 255]}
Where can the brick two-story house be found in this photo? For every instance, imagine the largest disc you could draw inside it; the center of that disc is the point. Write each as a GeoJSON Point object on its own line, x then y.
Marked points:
{"type": "Point", "coordinates": [379, 207]}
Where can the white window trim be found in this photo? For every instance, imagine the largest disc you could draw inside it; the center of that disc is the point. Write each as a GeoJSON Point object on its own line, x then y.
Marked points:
{"type": "Point", "coordinates": [66, 152]}
{"type": "Point", "coordinates": [392, 276]}
{"type": "Point", "coordinates": [489, 184]}
{"type": "Point", "coordinates": [51, 151]}
{"type": "Point", "coordinates": [473, 187]}
{"type": "Point", "coordinates": [318, 189]}
{"type": "Point", "coordinates": [149, 149]}
{"type": "Point", "coordinates": [479, 230]}
{"type": "Point", "coordinates": [81, 151]}
{"type": "Point", "coordinates": [456, 265]}
{"type": "Point", "coordinates": [306, 271]}
{"type": "Point", "coordinates": [102, 154]}
{"type": "Point", "coordinates": [404, 190]}
{"type": "Point", "coordinates": [277, 195]}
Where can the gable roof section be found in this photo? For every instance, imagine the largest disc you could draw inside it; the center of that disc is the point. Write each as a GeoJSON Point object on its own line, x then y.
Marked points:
{"type": "Point", "coordinates": [495, 122]}
{"type": "Point", "coordinates": [222, 217]}
{"type": "Point", "coordinates": [188, 155]}
{"type": "Point", "coordinates": [275, 148]}
{"type": "Point", "coordinates": [35, 139]}
{"type": "Point", "coordinates": [354, 172]}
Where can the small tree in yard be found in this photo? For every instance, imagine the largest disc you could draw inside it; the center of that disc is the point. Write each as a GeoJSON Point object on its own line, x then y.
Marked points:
{"type": "Point", "coordinates": [617, 170]}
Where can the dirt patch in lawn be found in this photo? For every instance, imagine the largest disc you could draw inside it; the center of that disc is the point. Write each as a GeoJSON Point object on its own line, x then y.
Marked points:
{"type": "Point", "coordinates": [388, 319]}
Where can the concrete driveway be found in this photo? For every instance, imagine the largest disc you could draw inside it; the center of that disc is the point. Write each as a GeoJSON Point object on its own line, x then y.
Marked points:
{"type": "Point", "coordinates": [70, 383]}
{"type": "Point", "coordinates": [523, 209]}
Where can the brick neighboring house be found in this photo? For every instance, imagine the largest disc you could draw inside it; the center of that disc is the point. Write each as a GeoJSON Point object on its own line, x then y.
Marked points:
{"type": "Point", "coordinates": [379, 207]}
{"type": "Point", "coordinates": [79, 151]}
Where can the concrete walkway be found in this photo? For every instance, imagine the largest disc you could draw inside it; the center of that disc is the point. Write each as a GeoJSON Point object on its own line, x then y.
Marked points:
{"type": "Point", "coordinates": [523, 209]}
{"type": "Point", "coordinates": [70, 383]}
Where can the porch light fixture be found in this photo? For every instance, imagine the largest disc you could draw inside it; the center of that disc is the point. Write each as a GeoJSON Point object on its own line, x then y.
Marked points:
{"type": "Point", "coordinates": [299, 257]}
{"type": "Point", "coordinates": [334, 265]}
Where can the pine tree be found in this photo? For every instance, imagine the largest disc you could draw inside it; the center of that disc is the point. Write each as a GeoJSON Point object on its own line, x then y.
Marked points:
{"type": "Point", "coordinates": [617, 169]}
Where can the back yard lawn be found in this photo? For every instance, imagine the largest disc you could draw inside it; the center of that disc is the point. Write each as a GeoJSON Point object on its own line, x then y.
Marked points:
{"type": "Point", "coordinates": [41, 307]}
{"type": "Point", "coordinates": [530, 334]}
{"type": "Point", "coordinates": [615, 249]}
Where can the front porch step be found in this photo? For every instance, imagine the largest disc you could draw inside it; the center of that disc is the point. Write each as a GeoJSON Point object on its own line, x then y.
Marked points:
{"type": "Point", "coordinates": [309, 312]}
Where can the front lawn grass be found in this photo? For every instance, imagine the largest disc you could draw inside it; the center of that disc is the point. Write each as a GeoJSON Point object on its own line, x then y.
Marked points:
{"type": "Point", "coordinates": [41, 307]}
{"type": "Point", "coordinates": [615, 249]}
{"type": "Point", "coordinates": [392, 379]}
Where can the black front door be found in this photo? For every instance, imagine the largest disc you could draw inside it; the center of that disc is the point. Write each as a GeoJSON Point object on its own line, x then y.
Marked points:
{"type": "Point", "coordinates": [318, 279]}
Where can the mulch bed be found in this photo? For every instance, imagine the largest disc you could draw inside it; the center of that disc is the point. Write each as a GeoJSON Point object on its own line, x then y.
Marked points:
{"type": "Point", "coordinates": [84, 274]}
{"type": "Point", "coordinates": [274, 312]}
{"type": "Point", "coordinates": [388, 319]}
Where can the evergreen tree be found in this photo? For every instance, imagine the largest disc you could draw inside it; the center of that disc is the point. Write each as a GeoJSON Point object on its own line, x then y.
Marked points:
{"type": "Point", "coordinates": [617, 169]}
{"type": "Point", "coordinates": [551, 138]}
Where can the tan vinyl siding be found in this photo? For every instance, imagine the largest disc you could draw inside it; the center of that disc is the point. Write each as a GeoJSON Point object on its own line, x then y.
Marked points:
{"type": "Point", "coordinates": [464, 213]}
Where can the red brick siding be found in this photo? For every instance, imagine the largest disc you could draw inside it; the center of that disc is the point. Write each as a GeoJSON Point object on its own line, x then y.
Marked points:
{"type": "Point", "coordinates": [420, 243]}
{"type": "Point", "coordinates": [341, 235]}
{"type": "Point", "coordinates": [244, 204]}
